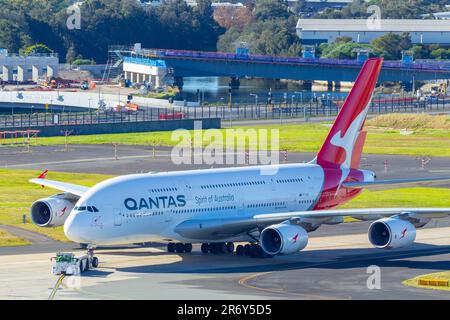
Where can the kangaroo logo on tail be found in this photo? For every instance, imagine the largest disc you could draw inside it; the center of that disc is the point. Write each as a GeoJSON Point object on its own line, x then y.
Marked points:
{"type": "Point", "coordinates": [338, 148]}
{"type": "Point", "coordinates": [343, 145]}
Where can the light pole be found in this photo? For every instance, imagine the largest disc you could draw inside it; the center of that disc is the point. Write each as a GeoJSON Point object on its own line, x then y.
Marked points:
{"type": "Point", "coordinates": [301, 96]}
{"type": "Point", "coordinates": [256, 98]}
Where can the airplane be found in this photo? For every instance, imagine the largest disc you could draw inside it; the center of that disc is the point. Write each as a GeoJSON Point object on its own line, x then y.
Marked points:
{"type": "Point", "coordinates": [273, 214]}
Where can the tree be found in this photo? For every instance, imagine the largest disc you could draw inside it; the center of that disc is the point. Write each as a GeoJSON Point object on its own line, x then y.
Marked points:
{"type": "Point", "coordinates": [342, 50]}
{"type": "Point", "coordinates": [270, 30]}
{"type": "Point", "coordinates": [391, 45]}
{"type": "Point", "coordinates": [71, 55]}
{"type": "Point", "coordinates": [36, 48]}
{"type": "Point", "coordinates": [228, 17]}
{"type": "Point", "coordinates": [174, 24]}
{"type": "Point", "coordinates": [440, 54]}
{"type": "Point", "coordinates": [270, 9]}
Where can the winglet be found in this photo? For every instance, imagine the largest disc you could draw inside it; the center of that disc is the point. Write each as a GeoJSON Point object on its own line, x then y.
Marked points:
{"type": "Point", "coordinates": [42, 176]}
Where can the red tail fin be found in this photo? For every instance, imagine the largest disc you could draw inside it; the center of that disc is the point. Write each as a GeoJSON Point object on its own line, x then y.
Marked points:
{"type": "Point", "coordinates": [340, 146]}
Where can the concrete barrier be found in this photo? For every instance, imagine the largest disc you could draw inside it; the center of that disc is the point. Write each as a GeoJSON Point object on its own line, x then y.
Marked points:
{"type": "Point", "coordinates": [125, 127]}
{"type": "Point", "coordinates": [81, 99]}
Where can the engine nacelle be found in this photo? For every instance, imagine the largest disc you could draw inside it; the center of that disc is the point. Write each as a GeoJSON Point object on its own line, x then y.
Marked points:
{"type": "Point", "coordinates": [52, 211]}
{"type": "Point", "coordinates": [283, 238]}
{"type": "Point", "coordinates": [390, 233]}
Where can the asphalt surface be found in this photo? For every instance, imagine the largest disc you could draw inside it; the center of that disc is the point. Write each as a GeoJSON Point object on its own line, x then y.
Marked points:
{"type": "Point", "coordinates": [331, 267]}
{"type": "Point", "coordinates": [137, 159]}
{"type": "Point", "coordinates": [334, 265]}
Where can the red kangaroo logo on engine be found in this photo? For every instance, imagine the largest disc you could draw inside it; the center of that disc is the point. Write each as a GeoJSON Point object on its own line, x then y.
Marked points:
{"type": "Point", "coordinates": [294, 238]}
{"type": "Point", "coordinates": [404, 233]}
{"type": "Point", "coordinates": [63, 211]}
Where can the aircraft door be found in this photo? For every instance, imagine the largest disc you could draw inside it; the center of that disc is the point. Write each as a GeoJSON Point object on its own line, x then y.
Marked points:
{"type": "Point", "coordinates": [117, 217]}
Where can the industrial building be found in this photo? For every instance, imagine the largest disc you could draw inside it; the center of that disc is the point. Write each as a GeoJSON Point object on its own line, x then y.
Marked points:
{"type": "Point", "coordinates": [27, 68]}
{"type": "Point", "coordinates": [144, 70]}
{"type": "Point", "coordinates": [314, 31]}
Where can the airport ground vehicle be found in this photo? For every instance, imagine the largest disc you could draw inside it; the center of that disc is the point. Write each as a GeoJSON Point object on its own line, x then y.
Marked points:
{"type": "Point", "coordinates": [274, 207]}
{"type": "Point", "coordinates": [69, 264]}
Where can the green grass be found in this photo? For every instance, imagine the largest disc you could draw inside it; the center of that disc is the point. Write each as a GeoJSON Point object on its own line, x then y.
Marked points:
{"type": "Point", "coordinates": [8, 240]}
{"type": "Point", "coordinates": [408, 197]}
{"type": "Point", "coordinates": [17, 195]}
{"type": "Point", "coordinates": [298, 138]}
{"type": "Point", "coordinates": [414, 282]}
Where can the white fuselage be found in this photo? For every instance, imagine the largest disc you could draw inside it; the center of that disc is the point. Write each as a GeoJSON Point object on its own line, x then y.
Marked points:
{"type": "Point", "coordinates": [148, 207]}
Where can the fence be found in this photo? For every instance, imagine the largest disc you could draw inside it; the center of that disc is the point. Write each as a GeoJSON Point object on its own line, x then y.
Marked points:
{"type": "Point", "coordinates": [317, 108]}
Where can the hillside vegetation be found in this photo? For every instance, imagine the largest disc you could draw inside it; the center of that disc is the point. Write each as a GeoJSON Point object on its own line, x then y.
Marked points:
{"type": "Point", "coordinates": [173, 24]}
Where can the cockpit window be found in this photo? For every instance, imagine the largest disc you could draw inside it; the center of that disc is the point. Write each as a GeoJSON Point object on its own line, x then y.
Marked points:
{"type": "Point", "coordinates": [84, 208]}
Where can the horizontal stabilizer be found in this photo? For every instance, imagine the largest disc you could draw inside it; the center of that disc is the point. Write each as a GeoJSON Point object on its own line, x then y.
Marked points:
{"type": "Point", "coordinates": [398, 183]}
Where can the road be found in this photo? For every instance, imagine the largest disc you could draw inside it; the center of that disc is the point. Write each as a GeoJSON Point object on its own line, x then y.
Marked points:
{"type": "Point", "coordinates": [331, 267]}
{"type": "Point", "coordinates": [136, 159]}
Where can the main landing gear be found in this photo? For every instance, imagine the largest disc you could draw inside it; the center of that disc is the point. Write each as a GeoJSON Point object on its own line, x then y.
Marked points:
{"type": "Point", "coordinates": [179, 247]}
{"type": "Point", "coordinates": [252, 250]}
{"type": "Point", "coordinates": [219, 247]}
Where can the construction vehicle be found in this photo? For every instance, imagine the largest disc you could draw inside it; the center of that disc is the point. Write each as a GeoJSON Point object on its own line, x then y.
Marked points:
{"type": "Point", "coordinates": [55, 83]}
{"type": "Point", "coordinates": [84, 85]}
{"type": "Point", "coordinates": [126, 107]}
{"type": "Point", "coordinates": [69, 264]}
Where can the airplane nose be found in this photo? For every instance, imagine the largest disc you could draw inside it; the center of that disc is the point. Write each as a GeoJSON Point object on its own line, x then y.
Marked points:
{"type": "Point", "coordinates": [74, 229]}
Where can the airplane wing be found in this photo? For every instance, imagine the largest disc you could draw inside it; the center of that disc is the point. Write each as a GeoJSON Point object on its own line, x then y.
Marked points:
{"type": "Point", "coordinates": [366, 214]}
{"type": "Point", "coordinates": [216, 229]}
{"type": "Point", "coordinates": [66, 187]}
{"type": "Point", "coordinates": [398, 183]}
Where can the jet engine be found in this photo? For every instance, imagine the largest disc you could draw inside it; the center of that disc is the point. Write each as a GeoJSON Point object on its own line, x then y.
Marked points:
{"type": "Point", "coordinates": [52, 211]}
{"type": "Point", "coordinates": [283, 238]}
{"type": "Point", "coordinates": [391, 232]}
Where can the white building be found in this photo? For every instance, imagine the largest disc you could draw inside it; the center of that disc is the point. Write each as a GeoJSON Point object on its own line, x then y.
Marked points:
{"type": "Point", "coordinates": [442, 15]}
{"type": "Point", "coordinates": [141, 70]}
{"type": "Point", "coordinates": [312, 31]}
{"type": "Point", "coordinates": [27, 68]}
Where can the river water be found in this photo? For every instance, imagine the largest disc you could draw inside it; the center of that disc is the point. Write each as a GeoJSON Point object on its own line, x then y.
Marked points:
{"type": "Point", "coordinates": [215, 90]}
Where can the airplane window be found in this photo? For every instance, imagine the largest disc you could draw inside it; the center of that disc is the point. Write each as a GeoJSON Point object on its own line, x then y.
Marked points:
{"type": "Point", "coordinates": [90, 209]}
{"type": "Point", "coordinates": [81, 208]}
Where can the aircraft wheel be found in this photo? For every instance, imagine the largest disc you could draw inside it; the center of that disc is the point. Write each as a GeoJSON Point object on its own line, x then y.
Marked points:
{"type": "Point", "coordinates": [254, 253]}
{"type": "Point", "coordinates": [222, 247]}
{"type": "Point", "coordinates": [188, 247]}
{"type": "Point", "coordinates": [171, 247]}
{"type": "Point", "coordinates": [179, 247]}
{"type": "Point", "coordinates": [95, 262]}
{"type": "Point", "coordinates": [261, 253]}
{"type": "Point", "coordinates": [247, 249]}
{"type": "Point", "coordinates": [240, 250]}
{"type": "Point", "coordinates": [230, 247]}
{"type": "Point", "coordinates": [214, 248]}
{"type": "Point", "coordinates": [205, 248]}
